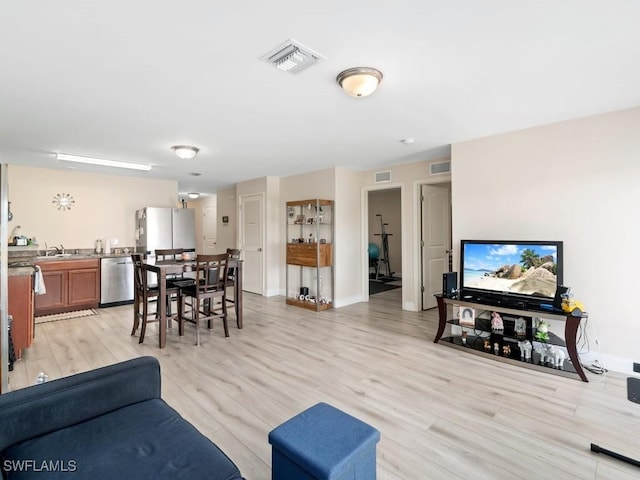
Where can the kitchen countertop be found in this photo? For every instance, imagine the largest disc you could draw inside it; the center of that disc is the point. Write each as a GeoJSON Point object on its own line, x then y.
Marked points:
{"type": "Point", "coordinates": [18, 265]}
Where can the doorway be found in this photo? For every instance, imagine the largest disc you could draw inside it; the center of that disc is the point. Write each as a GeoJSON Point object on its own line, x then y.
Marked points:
{"type": "Point", "coordinates": [251, 242]}
{"type": "Point", "coordinates": [384, 240]}
{"type": "Point", "coordinates": [435, 239]}
{"type": "Point", "coordinates": [210, 229]}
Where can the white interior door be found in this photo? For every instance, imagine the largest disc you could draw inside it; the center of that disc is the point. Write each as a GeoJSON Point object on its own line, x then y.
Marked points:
{"type": "Point", "coordinates": [251, 241]}
{"type": "Point", "coordinates": [436, 240]}
{"type": "Point", "coordinates": [209, 228]}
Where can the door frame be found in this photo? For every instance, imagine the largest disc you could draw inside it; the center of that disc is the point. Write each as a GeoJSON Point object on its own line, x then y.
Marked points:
{"type": "Point", "coordinates": [240, 239]}
{"type": "Point", "coordinates": [418, 228]}
{"type": "Point", "coordinates": [364, 233]}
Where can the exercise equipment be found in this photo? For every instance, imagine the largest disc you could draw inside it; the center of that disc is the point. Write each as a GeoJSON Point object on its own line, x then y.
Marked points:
{"type": "Point", "coordinates": [384, 259]}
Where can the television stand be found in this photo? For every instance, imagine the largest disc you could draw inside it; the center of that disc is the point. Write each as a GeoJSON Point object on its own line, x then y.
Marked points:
{"type": "Point", "coordinates": [505, 345]}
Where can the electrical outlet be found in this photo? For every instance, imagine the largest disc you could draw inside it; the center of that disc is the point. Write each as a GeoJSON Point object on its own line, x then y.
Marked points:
{"type": "Point", "coordinates": [636, 367]}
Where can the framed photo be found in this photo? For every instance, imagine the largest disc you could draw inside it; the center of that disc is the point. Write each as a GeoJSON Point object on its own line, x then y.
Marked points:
{"type": "Point", "coordinates": [467, 316]}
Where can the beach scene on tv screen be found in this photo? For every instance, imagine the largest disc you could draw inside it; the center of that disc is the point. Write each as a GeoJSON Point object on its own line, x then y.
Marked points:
{"type": "Point", "coordinates": [515, 268]}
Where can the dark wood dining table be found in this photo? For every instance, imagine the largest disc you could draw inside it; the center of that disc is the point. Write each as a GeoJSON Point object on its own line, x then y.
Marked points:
{"type": "Point", "coordinates": [162, 268]}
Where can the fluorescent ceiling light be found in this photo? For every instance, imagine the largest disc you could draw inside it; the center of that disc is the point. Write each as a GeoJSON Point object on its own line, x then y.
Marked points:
{"type": "Point", "coordinates": [100, 161]}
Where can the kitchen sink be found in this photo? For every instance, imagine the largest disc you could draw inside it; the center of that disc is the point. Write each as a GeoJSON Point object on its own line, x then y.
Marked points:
{"type": "Point", "coordinates": [65, 255]}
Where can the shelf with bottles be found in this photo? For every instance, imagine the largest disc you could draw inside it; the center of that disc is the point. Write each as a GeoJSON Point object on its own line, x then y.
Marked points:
{"type": "Point", "coordinates": [309, 213]}
{"type": "Point", "coordinates": [309, 253]}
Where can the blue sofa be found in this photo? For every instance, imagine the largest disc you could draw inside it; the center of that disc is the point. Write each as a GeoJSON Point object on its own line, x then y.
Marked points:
{"type": "Point", "coordinates": [108, 423]}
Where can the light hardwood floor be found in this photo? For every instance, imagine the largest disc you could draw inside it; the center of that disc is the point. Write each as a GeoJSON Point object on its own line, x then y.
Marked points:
{"type": "Point", "coordinates": [442, 414]}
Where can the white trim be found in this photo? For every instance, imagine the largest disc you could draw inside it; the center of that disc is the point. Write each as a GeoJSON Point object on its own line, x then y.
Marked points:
{"type": "Point", "coordinates": [364, 234]}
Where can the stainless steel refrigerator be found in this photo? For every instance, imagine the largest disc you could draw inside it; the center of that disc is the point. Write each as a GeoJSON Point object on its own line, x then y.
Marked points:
{"type": "Point", "coordinates": [165, 228]}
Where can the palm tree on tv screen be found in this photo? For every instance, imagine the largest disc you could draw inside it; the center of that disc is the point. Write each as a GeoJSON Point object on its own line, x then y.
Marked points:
{"type": "Point", "coordinates": [529, 258]}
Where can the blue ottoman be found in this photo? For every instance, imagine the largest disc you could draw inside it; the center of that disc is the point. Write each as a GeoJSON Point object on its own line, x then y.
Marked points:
{"type": "Point", "coordinates": [323, 443]}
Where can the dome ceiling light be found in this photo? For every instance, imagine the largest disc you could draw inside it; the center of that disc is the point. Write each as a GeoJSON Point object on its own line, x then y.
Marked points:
{"type": "Point", "coordinates": [359, 81]}
{"type": "Point", "coordinates": [185, 152]}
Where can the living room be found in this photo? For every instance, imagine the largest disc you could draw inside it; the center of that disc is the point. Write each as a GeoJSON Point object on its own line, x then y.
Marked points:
{"type": "Point", "coordinates": [572, 177]}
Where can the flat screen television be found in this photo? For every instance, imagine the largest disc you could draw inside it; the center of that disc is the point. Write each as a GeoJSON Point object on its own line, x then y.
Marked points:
{"type": "Point", "coordinates": [521, 273]}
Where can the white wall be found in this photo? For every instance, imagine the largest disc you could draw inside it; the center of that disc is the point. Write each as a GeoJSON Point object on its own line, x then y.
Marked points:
{"type": "Point", "coordinates": [104, 205]}
{"type": "Point", "coordinates": [575, 181]}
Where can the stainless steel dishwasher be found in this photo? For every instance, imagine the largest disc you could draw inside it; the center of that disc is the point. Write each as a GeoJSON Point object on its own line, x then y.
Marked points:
{"type": "Point", "coordinates": [116, 281]}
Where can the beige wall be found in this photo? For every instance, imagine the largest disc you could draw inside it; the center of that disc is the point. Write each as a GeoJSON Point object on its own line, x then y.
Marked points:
{"type": "Point", "coordinates": [199, 205]}
{"type": "Point", "coordinates": [575, 181]}
{"type": "Point", "coordinates": [269, 188]}
{"type": "Point", "coordinates": [408, 177]}
{"type": "Point", "coordinates": [104, 205]}
{"type": "Point", "coordinates": [226, 234]}
{"type": "Point", "coordinates": [350, 258]}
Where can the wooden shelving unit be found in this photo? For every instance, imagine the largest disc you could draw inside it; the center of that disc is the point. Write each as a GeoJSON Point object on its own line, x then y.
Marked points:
{"type": "Point", "coordinates": [309, 256]}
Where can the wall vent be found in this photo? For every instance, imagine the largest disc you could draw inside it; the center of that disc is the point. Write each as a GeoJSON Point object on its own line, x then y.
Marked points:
{"type": "Point", "coordinates": [382, 177]}
{"type": "Point", "coordinates": [292, 56]}
{"type": "Point", "coordinates": [440, 168]}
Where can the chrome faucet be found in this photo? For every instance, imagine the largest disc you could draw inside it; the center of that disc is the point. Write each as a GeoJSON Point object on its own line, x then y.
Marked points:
{"type": "Point", "coordinates": [60, 249]}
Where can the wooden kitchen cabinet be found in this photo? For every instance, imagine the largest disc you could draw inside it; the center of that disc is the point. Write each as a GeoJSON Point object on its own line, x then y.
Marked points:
{"type": "Point", "coordinates": [20, 307]}
{"type": "Point", "coordinates": [70, 284]}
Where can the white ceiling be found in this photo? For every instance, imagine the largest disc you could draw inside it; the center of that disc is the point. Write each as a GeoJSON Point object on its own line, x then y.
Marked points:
{"type": "Point", "coordinates": [127, 79]}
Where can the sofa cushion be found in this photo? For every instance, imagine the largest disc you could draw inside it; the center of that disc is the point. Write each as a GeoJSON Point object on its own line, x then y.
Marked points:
{"type": "Point", "coordinates": [40, 409]}
{"type": "Point", "coordinates": [146, 440]}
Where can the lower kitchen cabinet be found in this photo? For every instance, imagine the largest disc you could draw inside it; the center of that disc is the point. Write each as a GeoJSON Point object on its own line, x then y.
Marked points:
{"type": "Point", "coordinates": [20, 307]}
{"type": "Point", "coordinates": [70, 284]}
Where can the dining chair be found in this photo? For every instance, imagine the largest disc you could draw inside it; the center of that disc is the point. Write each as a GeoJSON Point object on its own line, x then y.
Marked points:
{"type": "Point", "coordinates": [207, 294]}
{"type": "Point", "coordinates": [232, 277]}
{"type": "Point", "coordinates": [146, 293]}
{"type": "Point", "coordinates": [174, 280]}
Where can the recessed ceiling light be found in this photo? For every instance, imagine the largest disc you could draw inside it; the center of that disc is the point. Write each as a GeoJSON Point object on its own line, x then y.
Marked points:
{"type": "Point", "coordinates": [408, 141]}
{"type": "Point", "coordinates": [185, 152]}
{"type": "Point", "coordinates": [195, 174]}
{"type": "Point", "coordinates": [99, 161]}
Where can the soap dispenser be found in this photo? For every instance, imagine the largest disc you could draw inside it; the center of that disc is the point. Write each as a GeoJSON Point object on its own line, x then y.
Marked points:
{"type": "Point", "coordinates": [98, 246]}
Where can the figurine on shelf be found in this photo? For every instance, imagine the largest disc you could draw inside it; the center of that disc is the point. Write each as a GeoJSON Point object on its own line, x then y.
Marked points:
{"type": "Point", "coordinates": [555, 356]}
{"type": "Point", "coordinates": [542, 333]}
{"type": "Point", "coordinates": [525, 350]}
{"type": "Point", "coordinates": [506, 351]}
{"type": "Point", "coordinates": [496, 348]}
{"type": "Point", "coordinates": [497, 325]}
{"type": "Point", "coordinates": [487, 346]}
{"type": "Point", "coordinates": [464, 338]}
{"type": "Point", "coordinates": [520, 327]}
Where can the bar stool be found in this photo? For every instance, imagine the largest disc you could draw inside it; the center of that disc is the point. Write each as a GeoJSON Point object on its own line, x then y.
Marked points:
{"type": "Point", "coordinates": [207, 293]}
{"type": "Point", "coordinates": [146, 293]}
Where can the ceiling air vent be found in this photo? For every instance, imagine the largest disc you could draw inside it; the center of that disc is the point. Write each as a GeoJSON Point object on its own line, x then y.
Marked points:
{"type": "Point", "coordinates": [383, 176]}
{"type": "Point", "coordinates": [292, 56]}
{"type": "Point", "coordinates": [440, 168]}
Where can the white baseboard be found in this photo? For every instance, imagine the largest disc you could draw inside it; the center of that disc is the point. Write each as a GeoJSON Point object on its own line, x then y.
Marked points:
{"type": "Point", "coordinates": [610, 362]}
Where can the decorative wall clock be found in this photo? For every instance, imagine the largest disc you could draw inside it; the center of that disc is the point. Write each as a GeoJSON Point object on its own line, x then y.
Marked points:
{"type": "Point", "coordinates": [63, 201]}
